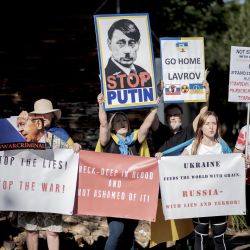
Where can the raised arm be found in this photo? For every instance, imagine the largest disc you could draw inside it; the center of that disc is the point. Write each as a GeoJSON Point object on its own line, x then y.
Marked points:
{"type": "Point", "coordinates": [156, 121]}
{"type": "Point", "coordinates": [104, 125]}
{"type": "Point", "coordinates": [147, 123]}
{"type": "Point", "coordinates": [204, 106]}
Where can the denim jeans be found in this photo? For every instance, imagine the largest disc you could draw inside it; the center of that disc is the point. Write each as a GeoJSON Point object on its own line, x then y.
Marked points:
{"type": "Point", "coordinates": [121, 234]}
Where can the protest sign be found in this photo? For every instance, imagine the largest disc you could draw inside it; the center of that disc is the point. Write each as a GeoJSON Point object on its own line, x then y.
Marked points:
{"type": "Point", "coordinates": [183, 69]}
{"type": "Point", "coordinates": [38, 180]}
{"type": "Point", "coordinates": [21, 133]}
{"type": "Point", "coordinates": [117, 186]}
{"type": "Point", "coordinates": [202, 185]}
{"type": "Point", "coordinates": [239, 77]}
{"type": "Point", "coordinates": [125, 61]}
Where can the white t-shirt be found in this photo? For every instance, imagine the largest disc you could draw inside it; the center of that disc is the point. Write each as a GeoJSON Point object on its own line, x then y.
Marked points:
{"type": "Point", "coordinates": [206, 150]}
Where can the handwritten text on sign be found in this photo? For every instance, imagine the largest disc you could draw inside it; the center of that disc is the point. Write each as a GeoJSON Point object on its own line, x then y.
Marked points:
{"type": "Point", "coordinates": [198, 186]}
{"type": "Point", "coordinates": [239, 78]}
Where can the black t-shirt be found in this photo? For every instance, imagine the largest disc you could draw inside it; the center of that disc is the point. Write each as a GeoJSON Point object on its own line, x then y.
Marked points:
{"type": "Point", "coordinates": [163, 138]}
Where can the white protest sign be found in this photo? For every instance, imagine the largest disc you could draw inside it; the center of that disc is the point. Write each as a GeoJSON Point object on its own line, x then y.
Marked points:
{"type": "Point", "coordinates": [38, 180]}
{"type": "Point", "coordinates": [239, 77]}
{"type": "Point", "coordinates": [183, 69]}
{"type": "Point", "coordinates": [200, 186]}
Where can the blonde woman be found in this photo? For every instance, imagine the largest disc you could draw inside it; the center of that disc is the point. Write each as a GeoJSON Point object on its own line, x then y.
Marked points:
{"type": "Point", "coordinates": [206, 142]}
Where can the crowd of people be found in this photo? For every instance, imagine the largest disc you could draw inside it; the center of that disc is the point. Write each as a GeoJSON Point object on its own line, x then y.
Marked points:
{"type": "Point", "coordinates": [116, 136]}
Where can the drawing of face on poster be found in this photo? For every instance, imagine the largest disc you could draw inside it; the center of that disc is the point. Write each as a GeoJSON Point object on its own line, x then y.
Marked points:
{"type": "Point", "coordinates": [124, 42]}
{"type": "Point", "coordinates": [126, 59]}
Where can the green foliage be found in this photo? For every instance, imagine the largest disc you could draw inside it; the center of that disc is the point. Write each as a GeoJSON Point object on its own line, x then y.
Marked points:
{"type": "Point", "coordinates": [235, 17]}
{"type": "Point", "coordinates": [238, 34]}
{"type": "Point", "coordinates": [222, 24]}
{"type": "Point", "coordinates": [188, 18]}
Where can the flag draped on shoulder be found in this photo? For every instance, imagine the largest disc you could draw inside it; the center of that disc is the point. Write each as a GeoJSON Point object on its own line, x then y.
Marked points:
{"type": "Point", "coordinates": [177, 150]}
{"type": "Point", "coordinates": [62, 134]}
{"type": "Point", "coordinates": [143, 151]}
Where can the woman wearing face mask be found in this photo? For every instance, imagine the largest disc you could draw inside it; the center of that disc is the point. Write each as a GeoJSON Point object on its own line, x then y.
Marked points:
{"type": "Point", "coordinates": [206, 142]}
{"type": "Point", "coordinates": [116, 137]}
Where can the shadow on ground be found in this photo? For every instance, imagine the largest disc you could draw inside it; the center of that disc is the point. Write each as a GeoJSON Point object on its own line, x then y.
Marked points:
{"type": "Point", "coordinates": [68, 242]}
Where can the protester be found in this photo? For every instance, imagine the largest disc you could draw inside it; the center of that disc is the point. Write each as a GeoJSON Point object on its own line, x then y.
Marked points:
{"type": "Point", "coordinates": [44, 108]}
{"type": "Point", "coordinates": [55, 138]}
{"type": "Point", "coordinates": [240, 147]}
{"type": "Point", "coordinates": [117, 137]}
{"type": "Point", "coordinates": [173, 133]}
{"type": "Point", "coordinates": [123, 42]}
{"type": "Point", "coordinates": [171, 138]}
{"type": "Point", "coordinates": [206, 142]}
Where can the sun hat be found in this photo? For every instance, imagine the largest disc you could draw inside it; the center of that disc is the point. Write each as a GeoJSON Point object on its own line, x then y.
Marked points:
{"type": "Point", "coordinates": [44, 106]}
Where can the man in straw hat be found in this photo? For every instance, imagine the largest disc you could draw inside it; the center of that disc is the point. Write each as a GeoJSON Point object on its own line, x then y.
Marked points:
{"type": "Point", "coordinates": [56, 138]}
{"type": "Point", "coordinates": [44, 108]}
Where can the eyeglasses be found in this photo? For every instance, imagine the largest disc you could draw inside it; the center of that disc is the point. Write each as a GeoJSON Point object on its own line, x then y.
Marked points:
{"type": "Point", "coordinates": [174, 114]}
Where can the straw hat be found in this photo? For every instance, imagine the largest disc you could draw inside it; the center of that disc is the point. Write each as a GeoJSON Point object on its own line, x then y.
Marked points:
{"type": "Point", "coordinates": [44, 106]}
